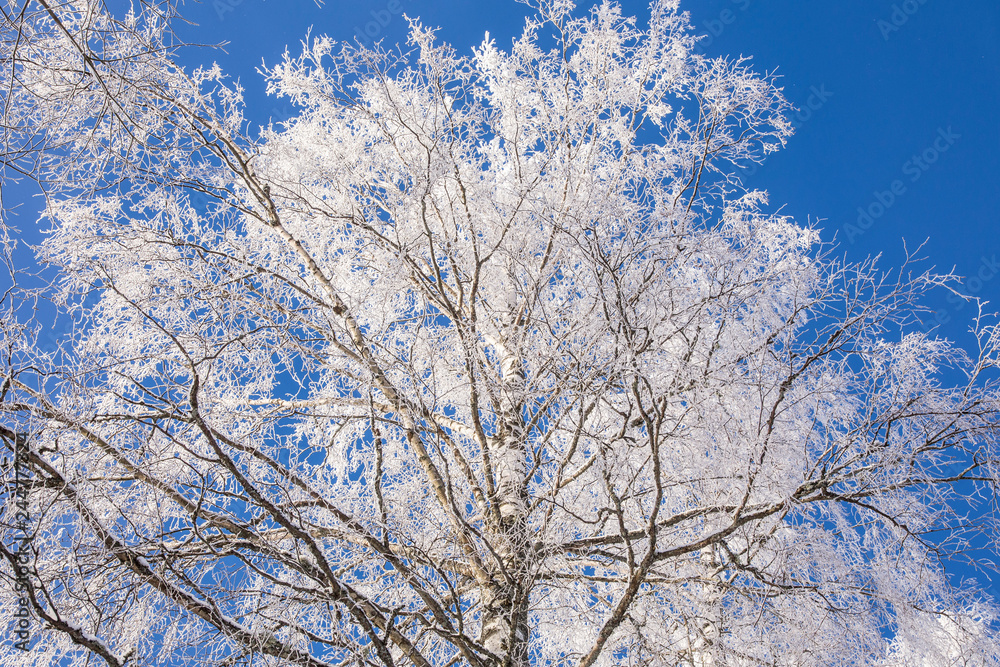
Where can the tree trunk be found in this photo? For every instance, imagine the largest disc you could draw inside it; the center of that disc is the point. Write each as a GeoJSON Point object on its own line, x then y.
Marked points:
{"type": "Point", "coordinates": [505, 630]}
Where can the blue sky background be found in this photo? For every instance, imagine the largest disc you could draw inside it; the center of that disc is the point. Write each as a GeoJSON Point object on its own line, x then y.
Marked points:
{"type": "Point", "coordinates": [884, 81]}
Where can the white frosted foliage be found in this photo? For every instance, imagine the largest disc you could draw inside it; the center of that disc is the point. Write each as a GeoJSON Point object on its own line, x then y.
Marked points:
{"type": "Point", "coordinates": [479, 359]}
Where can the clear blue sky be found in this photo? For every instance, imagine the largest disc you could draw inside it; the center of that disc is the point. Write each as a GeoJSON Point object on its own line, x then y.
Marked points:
{"type": "Point", "coordinates": [887, 81]}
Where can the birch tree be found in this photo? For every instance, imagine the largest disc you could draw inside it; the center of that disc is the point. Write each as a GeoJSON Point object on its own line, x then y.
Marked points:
{"type": "Point", "coordinates": [479, 359]}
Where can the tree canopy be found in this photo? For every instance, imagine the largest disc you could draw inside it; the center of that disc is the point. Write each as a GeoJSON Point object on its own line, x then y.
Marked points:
{"type": "Point", "coordinates": [481, 359]}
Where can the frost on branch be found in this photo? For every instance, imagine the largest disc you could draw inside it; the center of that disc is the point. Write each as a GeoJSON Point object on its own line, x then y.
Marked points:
{"type": "Point", "coordinates": [477, 360]}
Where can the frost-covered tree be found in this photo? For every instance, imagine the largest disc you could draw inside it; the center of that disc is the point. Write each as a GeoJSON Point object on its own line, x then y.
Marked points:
{"type": "Point", "coordinates": [479, 360]}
